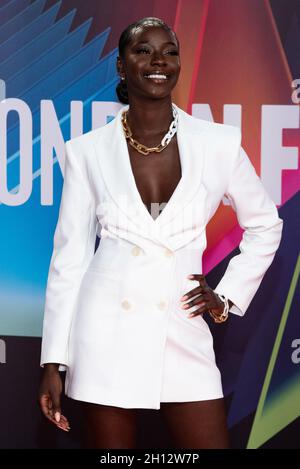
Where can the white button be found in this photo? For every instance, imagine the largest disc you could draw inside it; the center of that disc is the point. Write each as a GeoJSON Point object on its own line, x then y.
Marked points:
{"type": "Point", "coordinates": [126, 304]}
{"type": "Point", "coordinates": [162, 305]}
{"type": "Point", "coordinates": [136, 251]}
{"type": "Point", "coordinates": [168, 253]}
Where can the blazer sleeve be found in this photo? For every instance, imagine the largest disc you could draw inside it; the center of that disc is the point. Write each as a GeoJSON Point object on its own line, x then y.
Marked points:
{"type": "Point", "coordinates": [258, 216]}
{"type": "Point", "coordinates": [73, 248]}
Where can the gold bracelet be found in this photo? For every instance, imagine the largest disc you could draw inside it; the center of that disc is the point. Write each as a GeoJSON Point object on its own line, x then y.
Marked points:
{"type": "Point", "coordinates": [224, 316]}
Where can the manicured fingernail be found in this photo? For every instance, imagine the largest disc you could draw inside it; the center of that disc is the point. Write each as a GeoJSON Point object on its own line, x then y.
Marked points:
{"type": "Point", "coordinates": [63, 428]}
{"type": "Point", "coordinates": [185, 297]}
{"type": "Point", "coordinates": [190, 276]}
{"type": "Point", "coordinates": [57, 416]}
{"type": "Point", "coordinates": [184, 306]}
{"type": "Point", "coordinates": [190, 315]}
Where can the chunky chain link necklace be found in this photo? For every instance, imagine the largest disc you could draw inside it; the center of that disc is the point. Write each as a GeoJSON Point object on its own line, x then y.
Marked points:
{"type": "Point", "coordinates": [142, 148]}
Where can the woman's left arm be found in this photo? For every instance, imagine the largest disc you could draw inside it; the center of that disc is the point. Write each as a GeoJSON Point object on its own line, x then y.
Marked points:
{"type": "Point", "coordinates": [258, 216]}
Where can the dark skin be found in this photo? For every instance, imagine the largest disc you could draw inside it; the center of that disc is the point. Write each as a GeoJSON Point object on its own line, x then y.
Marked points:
{"type": "Point", "coordinates": [156, 175]}
{"type": "Point", "coordinates": [149, 118]}
{"type": "Point", "coordinates": [49, 396]}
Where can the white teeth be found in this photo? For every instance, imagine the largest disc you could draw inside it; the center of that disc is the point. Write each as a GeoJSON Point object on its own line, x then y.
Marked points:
{"type": "Point", "coordinates": [156, 76]}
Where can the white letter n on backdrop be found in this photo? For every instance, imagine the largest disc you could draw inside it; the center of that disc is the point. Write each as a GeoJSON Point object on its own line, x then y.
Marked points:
{"type": "Point", "coordinates": [52, 138]}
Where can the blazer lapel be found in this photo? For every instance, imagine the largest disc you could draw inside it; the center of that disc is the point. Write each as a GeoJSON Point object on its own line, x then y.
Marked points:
{"type": "Point", "coordinates": [191, 152]}
{"type": "Point", "coordinates": [113, 157]}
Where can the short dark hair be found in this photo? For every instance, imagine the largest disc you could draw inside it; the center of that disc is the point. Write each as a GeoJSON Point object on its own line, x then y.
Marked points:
{"type": "Point", "coordinates": [125, 39]}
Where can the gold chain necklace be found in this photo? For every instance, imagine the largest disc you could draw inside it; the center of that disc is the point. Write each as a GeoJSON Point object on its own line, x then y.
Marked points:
{"type": "Point", "coordinates": [143, 148]}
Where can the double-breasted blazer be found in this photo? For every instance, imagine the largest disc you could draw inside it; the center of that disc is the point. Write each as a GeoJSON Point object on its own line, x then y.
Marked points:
{"type": "Point", "coordinates": [107, 312]}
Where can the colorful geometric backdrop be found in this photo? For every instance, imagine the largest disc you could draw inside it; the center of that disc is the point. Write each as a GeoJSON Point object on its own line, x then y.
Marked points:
{"type": "Point", "coordinates": [240, 65]}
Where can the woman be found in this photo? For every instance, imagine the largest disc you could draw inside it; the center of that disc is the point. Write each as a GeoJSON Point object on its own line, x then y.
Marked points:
{"type": "Point", "coordinates": [126, 322]}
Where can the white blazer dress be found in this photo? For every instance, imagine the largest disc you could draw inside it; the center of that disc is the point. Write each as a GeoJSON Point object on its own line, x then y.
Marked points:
{"type": "Point", "coordinates": [113, 318]}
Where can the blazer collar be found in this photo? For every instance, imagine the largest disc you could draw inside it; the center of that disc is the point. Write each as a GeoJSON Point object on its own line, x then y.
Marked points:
{"type": "Point", "coordinates": [113, 157]}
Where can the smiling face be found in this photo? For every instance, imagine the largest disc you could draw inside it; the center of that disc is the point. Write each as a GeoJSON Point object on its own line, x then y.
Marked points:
{"type": "Point", "coordinates": [152, 51]}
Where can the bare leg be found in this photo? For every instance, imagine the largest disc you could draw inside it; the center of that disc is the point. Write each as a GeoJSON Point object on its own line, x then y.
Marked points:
{"type": "Point", "coordinates": [198, 424]}
{"type": "Point", "coordinates": [109, 426]}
